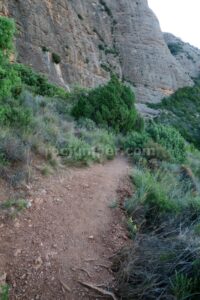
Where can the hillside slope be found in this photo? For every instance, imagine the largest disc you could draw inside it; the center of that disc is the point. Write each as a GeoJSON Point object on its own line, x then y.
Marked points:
{"type": "Point", "coordinates": [92, 39]}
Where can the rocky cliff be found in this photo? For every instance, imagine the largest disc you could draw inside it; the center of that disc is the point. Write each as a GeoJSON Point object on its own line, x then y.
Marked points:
{"type": "Point", "coordinates": [187, 55]}
{"type": "Point", "coordinates": [94, 37]}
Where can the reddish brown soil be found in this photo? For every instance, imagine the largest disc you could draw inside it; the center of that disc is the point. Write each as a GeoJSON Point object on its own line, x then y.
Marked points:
{"type": "Point", "coordinates": [68, 235]}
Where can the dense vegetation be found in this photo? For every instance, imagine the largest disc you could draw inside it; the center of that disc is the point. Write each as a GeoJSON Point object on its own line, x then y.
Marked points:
{"type": "Point", "coordinates": [175, 48]}
{"type": "Point", "coordinates": [155, 142]}
{"type": "Point", "coordinates": [38, 83]}
{"type": "Point", "coordinates": [182, 111]}
{"type": "Point", "coordinates": [163, 215]}
{"type": "Point", "coordinates": [37, 121]}
{"type": "Point", "coordinates": [111, 105]}
{"type": "Point", "coordinates": [4, 292]}
{"type": "Point", "coordinates": [163, 219]}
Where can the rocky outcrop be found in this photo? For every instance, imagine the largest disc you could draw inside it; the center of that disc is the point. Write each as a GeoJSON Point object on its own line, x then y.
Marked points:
{"type": "Point", "coordinates": [94, 37]}
{"type": "Point", "coordinates": [187, 55]}
{"type": "Point", "coordinates": [146, 61]}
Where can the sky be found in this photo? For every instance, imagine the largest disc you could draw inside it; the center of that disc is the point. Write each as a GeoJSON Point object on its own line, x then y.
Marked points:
{"type": "Point", "coordinates": [180, 17]}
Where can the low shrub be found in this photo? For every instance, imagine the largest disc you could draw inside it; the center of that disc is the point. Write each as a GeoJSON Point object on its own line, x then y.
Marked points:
{"type": "Point", "coordinates": [193, 160]}
{"type": "Point", "coordinates": [13, 113]}
{"type": "Point", "coordinates": [158, 267]}
{"type": "Point", "coordinates": [4, 292]}
{"type": "Point", "coordinates": [12, 148]}
{"type": "Point", "coordinates": [87, 124]}
{"type": "Point", "coordinates": [46, 170]}
{"type": "Point", "coordinates": [155, 191]}
{"type": "Point", "coordinates": [7, 31]}
{"type": "Point", "coordinates": [56, 58]}
{"type": "Point", "coordinates": [162, 194]}
{"type": "Point", "coordinates": [102, 143]}
{"type": "Point", "coordinates": [10, 83]}
{"type": "Point", "coordinates": [38, 83]}
{"type": "Point", "coordinates": [18, 205]}
{"type": "Point", "coordinates": [77, 150]}
{"type": "Point", "coordinates": [45, 49]}
{"type": "Point", "coordinates": [175, 48]}
{"type": "Point", "coordinates": [155, 151]}
{"type": "Point", "coordinates": [88, 147]}
{"type": "Point", "coordinates": [134, 141]}
{"type": "Point", "coordinates": [139, 124]}
{"type": "Point", "coordinates": [139, 145]}
{"type": "Point", "coordinates": [170, 139]}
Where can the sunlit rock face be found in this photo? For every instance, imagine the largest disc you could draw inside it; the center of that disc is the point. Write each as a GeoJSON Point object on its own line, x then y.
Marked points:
{"type": "Point", "coordinates": [94, 37]}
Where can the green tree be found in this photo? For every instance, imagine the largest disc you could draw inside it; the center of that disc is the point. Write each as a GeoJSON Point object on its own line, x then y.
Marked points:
{"type": "Point", "coordinates": [7, 31]}
{"type": "Point", "coordinates": [12, 111]}
{"type": "Point", "coordinates": [111, 105]}
{"type": "Point", "coordinates": [10, 83]}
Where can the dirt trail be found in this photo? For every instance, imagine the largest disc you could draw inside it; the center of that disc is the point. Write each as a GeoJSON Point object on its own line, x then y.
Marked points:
{"type": "Point", "coordinates": [68, 234]}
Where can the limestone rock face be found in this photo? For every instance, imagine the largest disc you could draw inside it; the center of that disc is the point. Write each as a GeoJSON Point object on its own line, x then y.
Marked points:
{"type": "Point", "coordinates": [146, 61]}
{"type": "Point", "coordinates": [187, 55]}
{"type": "Point", "coordinates": [94, 37]}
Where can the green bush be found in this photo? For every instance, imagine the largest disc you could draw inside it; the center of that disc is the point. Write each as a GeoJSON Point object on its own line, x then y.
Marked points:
{"type": "Point", "coordinates": [77, 151]}
{"type": "Point", "coordinates": [56, 58]}
{"type": "Point", "coordinates": [134, 141]}
{"type": "Point", "coordinates": [102, 143]}
{"type": "Point", "coordinates": [193, 160]}
{"type": "Point", "coordinates": [154, 191]}
{"type": "Point", "coordinates": [170, 139]}
{"type": "Point", "coordinates": [111, 105]}
{"type": "Point", "coordinates": [18, 205]}
{"type": "Point", "coordinates": [45, 49]}
{"type": "Point", "coordinates": [175, 48]}
{"type": "Point", "coordinates": [7, 31]}
{"type": "Point", "coordinates": [14, 114]}
{"type": "Point", "coordinates": [39, 83]}
{"type": "Point", "coordinates": [140, 145]}
{"type": "Point", "coordinates": [10, 83]}
{"type": "Point", "coordinates": [139, 124]}
{"type": "Point", "coordinates": [163, 193]}
{"type": "Point", "coordinates": [86, 124]}
{"type": "Point", "coordinates": [12, 148]}
{"type": "Point", "coordinates": [4, 292]}
{"type": "Point", "coordinates": [156, 151]}
{"type": "Point", "coordinates": [88, 147]}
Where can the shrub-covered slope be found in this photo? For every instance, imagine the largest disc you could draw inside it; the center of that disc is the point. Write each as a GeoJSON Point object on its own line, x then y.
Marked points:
{"type": "Point", "coordinates": [39, 120]}
{"type": "Point", "coordinates": [182, 110]}
{"type": "Point", "coordinates": [163, 214]}
{"type": "Point", "coordinates": [36, 117]}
